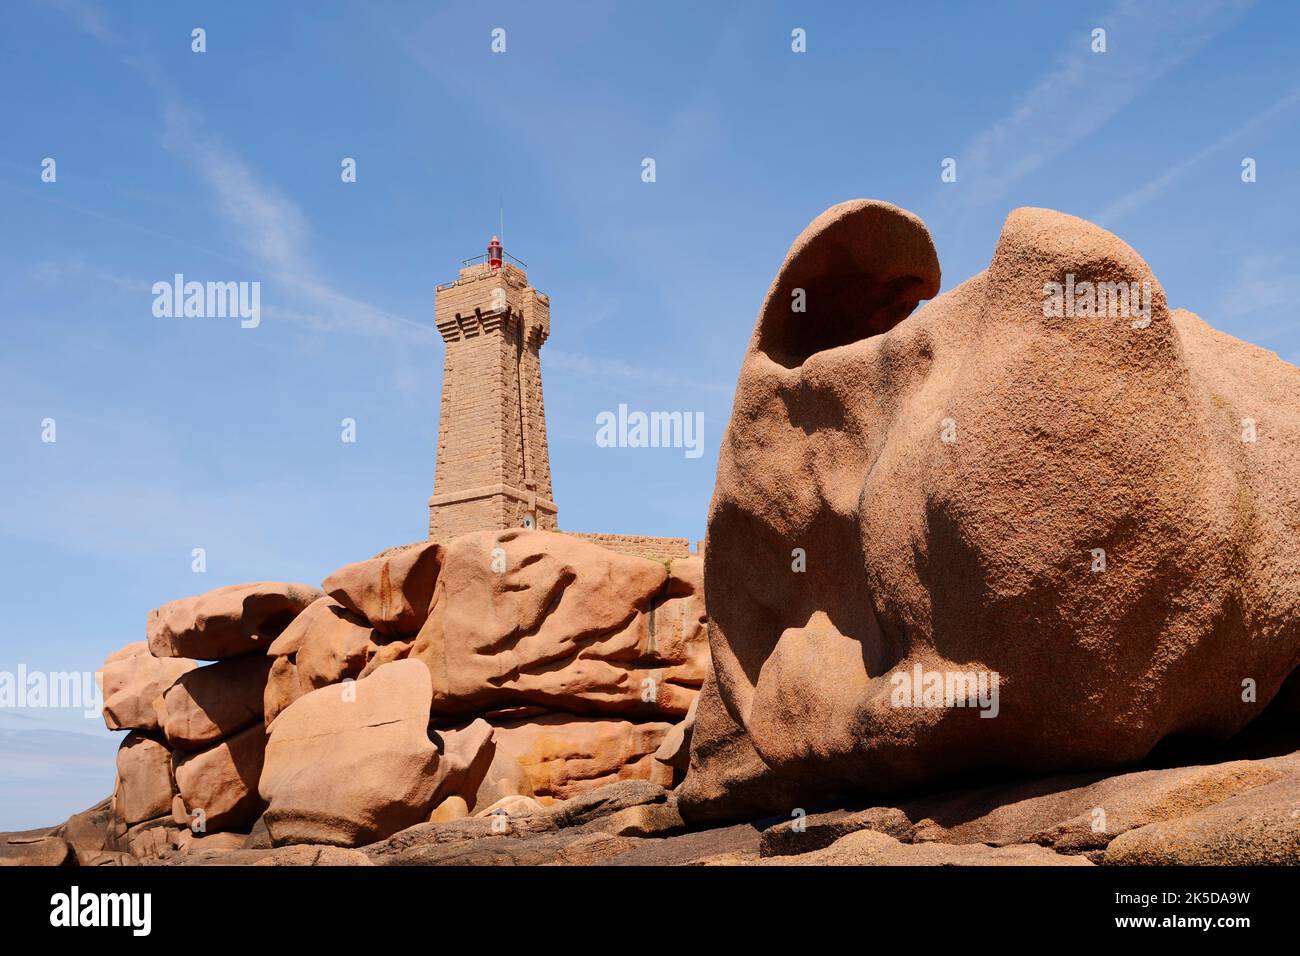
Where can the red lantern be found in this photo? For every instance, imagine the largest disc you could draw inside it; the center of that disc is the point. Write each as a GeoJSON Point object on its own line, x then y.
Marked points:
{"type": "Point", "coordinates": [494, 253]}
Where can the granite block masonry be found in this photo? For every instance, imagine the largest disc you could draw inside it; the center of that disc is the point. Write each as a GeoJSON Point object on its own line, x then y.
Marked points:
{"type": "Point", "coordinates": [493, 464]}
{"type": "Point", "coordinates": [493, 468]}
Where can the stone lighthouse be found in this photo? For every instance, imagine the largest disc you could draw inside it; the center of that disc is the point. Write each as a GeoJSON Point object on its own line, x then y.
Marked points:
{"type": "Point", "coordinates": [493, 469]}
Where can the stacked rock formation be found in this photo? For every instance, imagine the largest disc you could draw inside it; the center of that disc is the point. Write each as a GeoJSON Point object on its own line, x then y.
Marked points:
{"type": "Point", "coordinates": [189, 766]}
{"type": "Point", "coordinates": [436, 680]}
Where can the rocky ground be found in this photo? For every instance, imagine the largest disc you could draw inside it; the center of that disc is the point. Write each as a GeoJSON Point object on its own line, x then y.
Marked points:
{"type": "Point", "coordinates": [1240, 811]}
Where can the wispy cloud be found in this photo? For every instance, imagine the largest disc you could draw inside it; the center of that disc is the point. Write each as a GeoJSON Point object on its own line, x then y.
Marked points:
{"type": "Point", "coordinates": [88, 17]}
{"type": "Point", "coordinates": [1265, 284]}
{"type": "Point", "coordinates": [273, 230]}
{"type": "Point", "coordinates": [614, 370]}
{"type": "Point", "coordinates": [1083, 90]}
{"type": "Point", "coordinates": [1126, 205]}
{"type": "Point", "coordinates": [57, 272]}
{"type": "Point", "coordinates": [267, 225]}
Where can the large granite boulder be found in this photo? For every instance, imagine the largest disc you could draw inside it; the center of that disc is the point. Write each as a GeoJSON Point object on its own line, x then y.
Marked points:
{"type": "Point", "coordinates": [132, 679]}
{"type": "Point", "coordinates": [237, 619]}
{"type": "Point", "coordinates": [1042, 523]}
{"type": "Point", "coordinates": [1258, 827]}
{"type": "Point", "coordinates": [144, 775]}
{"type": "Point", "coordinates": [219, 785]}
{"type": "Point", "coordinates": [564, 755]}
{"type": "Point", "coordinates": [211, 703]}
{"type": "Point", "coordinates": [324, 645]}
{"type": "Point", "coordinates": [353, 763]}
{"type": "Point", "coordinates": [540, 618]}
{"type": "Point", "coordinates": [393, 590]}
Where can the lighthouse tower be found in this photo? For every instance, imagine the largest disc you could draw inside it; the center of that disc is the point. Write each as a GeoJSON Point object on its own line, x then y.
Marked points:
{"type": "Point", "coordinates": [493, 469]}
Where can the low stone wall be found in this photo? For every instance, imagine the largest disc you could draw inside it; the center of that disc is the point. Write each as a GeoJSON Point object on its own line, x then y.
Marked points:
{"type": "Point", "coordinates": [641, 545]}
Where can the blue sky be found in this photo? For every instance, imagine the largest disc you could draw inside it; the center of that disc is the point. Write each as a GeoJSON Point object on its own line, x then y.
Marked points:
{"type": "Point", "coordinates": [175, 434]}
